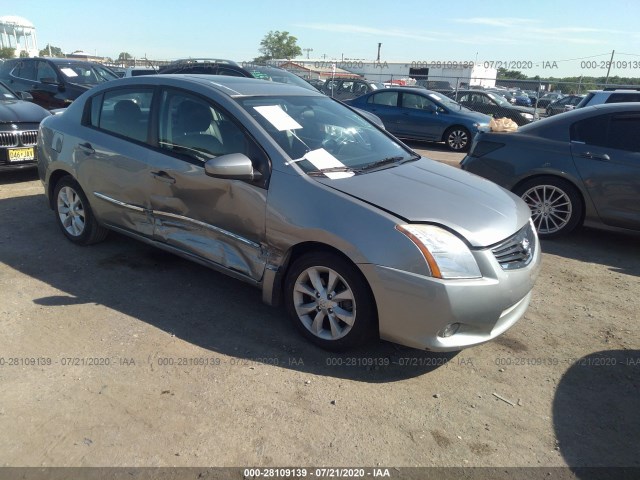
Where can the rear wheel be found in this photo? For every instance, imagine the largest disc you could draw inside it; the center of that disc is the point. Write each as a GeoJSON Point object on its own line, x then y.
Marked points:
{"type": "Point", "coordinates": [74, 215]}
{"type": "Point", "coordinates": [329, 301]}
{"type": "Point", "coordinates": [458, 139]}
{"type": "Point", "coordinates": [556, 206]}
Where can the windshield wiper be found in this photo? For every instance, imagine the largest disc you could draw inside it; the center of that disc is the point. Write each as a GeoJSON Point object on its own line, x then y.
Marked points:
{"type": "Point", "coordinates": [322, 171]}
{"type": "Point", "coordinates": [387, 161]}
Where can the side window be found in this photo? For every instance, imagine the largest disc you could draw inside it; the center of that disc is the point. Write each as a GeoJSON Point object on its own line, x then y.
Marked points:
{"type": "Point", "coordinates": [46, 73]}
{"type": "Point", "coordinates": [411, 100]}
{"type": "Point", "coordinates": [193, 127]}
{"type": "Point", "coordinates": [623, 97]}
{"type": "Point", "coordinates": [384, 98]}
{"type": "Point", "coordinates": [25, 70]}
{"type": "Point", "coordinates": [591, 131]}
{"type": "Point", "coordinates": [623, 133]}
{"type": "Point", "coordinates": [229, 72]}
{"type": "Point", "coordinates": [123, 111]}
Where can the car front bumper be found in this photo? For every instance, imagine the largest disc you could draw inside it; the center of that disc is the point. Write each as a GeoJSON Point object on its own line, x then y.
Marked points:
{"type": "Point", "coordinates": [415, 310]}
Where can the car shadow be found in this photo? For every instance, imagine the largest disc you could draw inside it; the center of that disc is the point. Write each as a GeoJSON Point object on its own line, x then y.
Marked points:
{"type": "Point", "coordinates": [596, 416]}
{"type": "Point", "coordinates": [619, 251]}
{"type": "Point", "coordinates": [18, 176]}
{"type": "Point", "coordinates": [184, 299]}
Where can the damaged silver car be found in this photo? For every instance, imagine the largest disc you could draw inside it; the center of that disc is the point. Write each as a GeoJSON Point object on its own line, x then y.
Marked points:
{"type": "Point", "coordinates": [300, 196]}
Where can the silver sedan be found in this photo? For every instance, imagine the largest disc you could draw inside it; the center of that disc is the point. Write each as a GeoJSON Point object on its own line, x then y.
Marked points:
{"type": "Point", "coordinates": [300, 196]}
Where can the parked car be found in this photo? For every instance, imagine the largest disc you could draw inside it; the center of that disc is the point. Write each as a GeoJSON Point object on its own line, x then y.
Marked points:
{"type": "Point", "coordinates": [296, 194]}
{"type": "Point", "coordinates": [565, 104]}
{"type": "Point", "coordinates": [19, 121]}
{"type": "Point", "coordinates": [277, 74]}
{"type": "Point", "coordinates": [207, 67]}
{"type": "Point", "coordinates": [440, 86]}
{"type": "Point", "coordinates": [581, 166]}
{"type": "Point", "coordinates": [521, 99]}
{"type": "Point", "coordinates": [547, 98]}
{"type": "Point", "coordinates": [610, 95]}
{"type": "Point", "coordinates": [348, 88]}
{"type": "Point", "coordinates": [419, 114]}
{"type": "Point", "coordinates": [53, 82]}
{"type": "Point", "coordinates": [140, 70]}
{"type": "Point", "coordinates": [495, 105]}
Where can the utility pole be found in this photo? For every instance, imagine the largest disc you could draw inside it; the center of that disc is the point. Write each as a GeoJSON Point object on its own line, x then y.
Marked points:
{"type": "Point", "coordinates": [606, 80]}
{"type": "Point", "coordinates": [307, 50]}
{"type": "Point", "coordinates": [379, 46]}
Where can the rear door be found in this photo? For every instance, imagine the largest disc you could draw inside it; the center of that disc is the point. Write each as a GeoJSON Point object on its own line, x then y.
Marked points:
{"type": "Point", "coordinates": [385, 105]}
{"type": "Point", "coordinates": [112, 158]}
{"type": "Point", "coordinates": [606, 152]}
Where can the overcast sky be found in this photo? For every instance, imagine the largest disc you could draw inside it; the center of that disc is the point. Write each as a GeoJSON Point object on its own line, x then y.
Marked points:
{"type": "Point", "coordinates": [536, 34]}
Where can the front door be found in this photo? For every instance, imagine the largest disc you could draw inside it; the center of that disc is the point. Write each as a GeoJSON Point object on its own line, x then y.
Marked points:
{"type": "Point", "coordinates": [220, 220]}
{"type": "Point", "coordinates": [606, 152]}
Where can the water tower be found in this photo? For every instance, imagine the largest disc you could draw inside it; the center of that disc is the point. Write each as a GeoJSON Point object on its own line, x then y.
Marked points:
{"type": "Point", "coordinates": [18, 33]}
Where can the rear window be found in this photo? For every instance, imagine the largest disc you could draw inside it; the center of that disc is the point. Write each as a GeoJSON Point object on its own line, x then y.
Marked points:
{"type": "Point", "coordinates": [585, 101]}
{"type": "Point", "coordinates": [623, 97]}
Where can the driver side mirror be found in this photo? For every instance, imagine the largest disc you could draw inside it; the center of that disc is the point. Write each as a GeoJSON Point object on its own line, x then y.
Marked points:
{"type": "Point", "coordinates": [233, 166]}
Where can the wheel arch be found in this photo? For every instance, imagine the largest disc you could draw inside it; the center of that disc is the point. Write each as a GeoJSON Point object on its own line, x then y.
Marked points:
{"type": "Point", "coordinates": [54, 178]}
{"type": "Point", "coordinates": [298, 250]}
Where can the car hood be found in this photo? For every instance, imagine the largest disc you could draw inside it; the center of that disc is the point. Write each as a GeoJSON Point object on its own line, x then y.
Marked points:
{"type": "Point", "coordinates": [20, 111]}
{"type": "Point", "coordinates": [426, 191]}
{"type": "Point", "coordinates": [530, 110]}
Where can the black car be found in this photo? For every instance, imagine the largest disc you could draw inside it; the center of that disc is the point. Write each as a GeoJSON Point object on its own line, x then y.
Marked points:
{"type": "Point", "coordinates": [348, 88]}
{"type": "Point", "coordinates": [19, 121]}
{"type": "Point", "coordinates": [493, 104]}
{"type": "Point", "coordinates": [53, 82]}
{"type": "Point", "coordinates": [206, 67]}
{"type": "Point", "coordinates": [563, 105]}
{"type": "Point", "coordinates": [581, 166]}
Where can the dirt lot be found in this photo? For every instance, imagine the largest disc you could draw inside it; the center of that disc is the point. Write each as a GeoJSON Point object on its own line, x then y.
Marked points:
{"type": "Point", "coordinates": [121, 355]}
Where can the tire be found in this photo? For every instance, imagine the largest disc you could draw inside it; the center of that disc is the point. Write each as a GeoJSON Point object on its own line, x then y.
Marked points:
{"type": "Point", "coordinates": [556, 205]}
{"type": "Point", "coordinates": [74, 215]}
{"type": "Point", "coordinates": [458, 139]}
{"type": "Point", "coordinates": [332, 323]}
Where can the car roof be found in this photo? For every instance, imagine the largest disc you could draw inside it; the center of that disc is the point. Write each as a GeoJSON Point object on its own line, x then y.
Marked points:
{"type": "Point", "coordinates": [228, 85]}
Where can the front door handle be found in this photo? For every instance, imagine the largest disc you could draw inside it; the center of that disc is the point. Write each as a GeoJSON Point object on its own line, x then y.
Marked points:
{"type": "Point", "coordinates": [87, 148]}
{"type": "Point", "coordinates": [596, 156]}
{"type": "Point", "coordinates": [163, 177]}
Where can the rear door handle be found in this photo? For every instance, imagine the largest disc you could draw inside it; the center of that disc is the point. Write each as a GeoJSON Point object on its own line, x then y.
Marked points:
{"type": "Point", "coordinates": [163, 177]}
{"type": "Point", "coordinates": [596, 156]}
{"type": "Point", "coordinates": [87, 148]}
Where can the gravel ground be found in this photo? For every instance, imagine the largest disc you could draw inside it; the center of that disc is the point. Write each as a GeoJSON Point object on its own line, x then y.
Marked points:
{"type": "Point", "coordinates": [122, 355]}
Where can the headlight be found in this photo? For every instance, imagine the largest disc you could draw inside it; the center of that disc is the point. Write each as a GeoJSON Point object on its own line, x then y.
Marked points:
{"type": "Point", "coordinates": [446, 255]}
{"type": "Point", "coordinates": [528, 116]}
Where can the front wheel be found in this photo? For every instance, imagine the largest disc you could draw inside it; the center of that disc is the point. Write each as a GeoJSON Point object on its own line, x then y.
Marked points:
{"type": "Point", "coordinates": [555, 204]}
{"type": "Point", "coordinates": [329, 301]}
{"type": "Point", "coordinates": [458, 139]}
{"type": "Point", "coordinates": [74, 215]}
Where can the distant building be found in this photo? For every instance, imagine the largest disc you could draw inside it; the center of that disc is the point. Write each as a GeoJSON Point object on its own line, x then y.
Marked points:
{"type": "Point", "coordinates": [461, 75]}
{"type": "Point", "coordinates": [20, 34]}
{"type": "Point", "coordinates": [80, 55]}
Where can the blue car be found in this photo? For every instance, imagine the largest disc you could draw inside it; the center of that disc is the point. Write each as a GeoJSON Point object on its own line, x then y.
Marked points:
{"type": "Point", "coordinates": [420, 114]}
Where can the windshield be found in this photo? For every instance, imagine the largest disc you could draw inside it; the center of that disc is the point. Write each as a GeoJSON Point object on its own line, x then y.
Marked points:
{"type": "Point", "coordinates": [319, 134]}
{"type": "Point", "coordinates": [6, 94]}
{"type": "Point", "coordinates": [499, 99]}
{"type": "Point", "coordinates": [86, 73]}
{"type": "Point", "coordinates": [446, 101]}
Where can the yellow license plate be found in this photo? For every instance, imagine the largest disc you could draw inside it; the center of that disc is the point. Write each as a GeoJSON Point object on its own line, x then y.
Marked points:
{"type": "Point", "coordinates": [21, 154]}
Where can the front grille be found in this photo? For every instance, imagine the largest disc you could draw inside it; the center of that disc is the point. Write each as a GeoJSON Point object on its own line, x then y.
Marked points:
{"type": "Point", "coordinates": [27, 138]}
{"type": "Point", "coordinates": [518, 250]}
{"type": "Point", "coordinates": [8, 139]}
